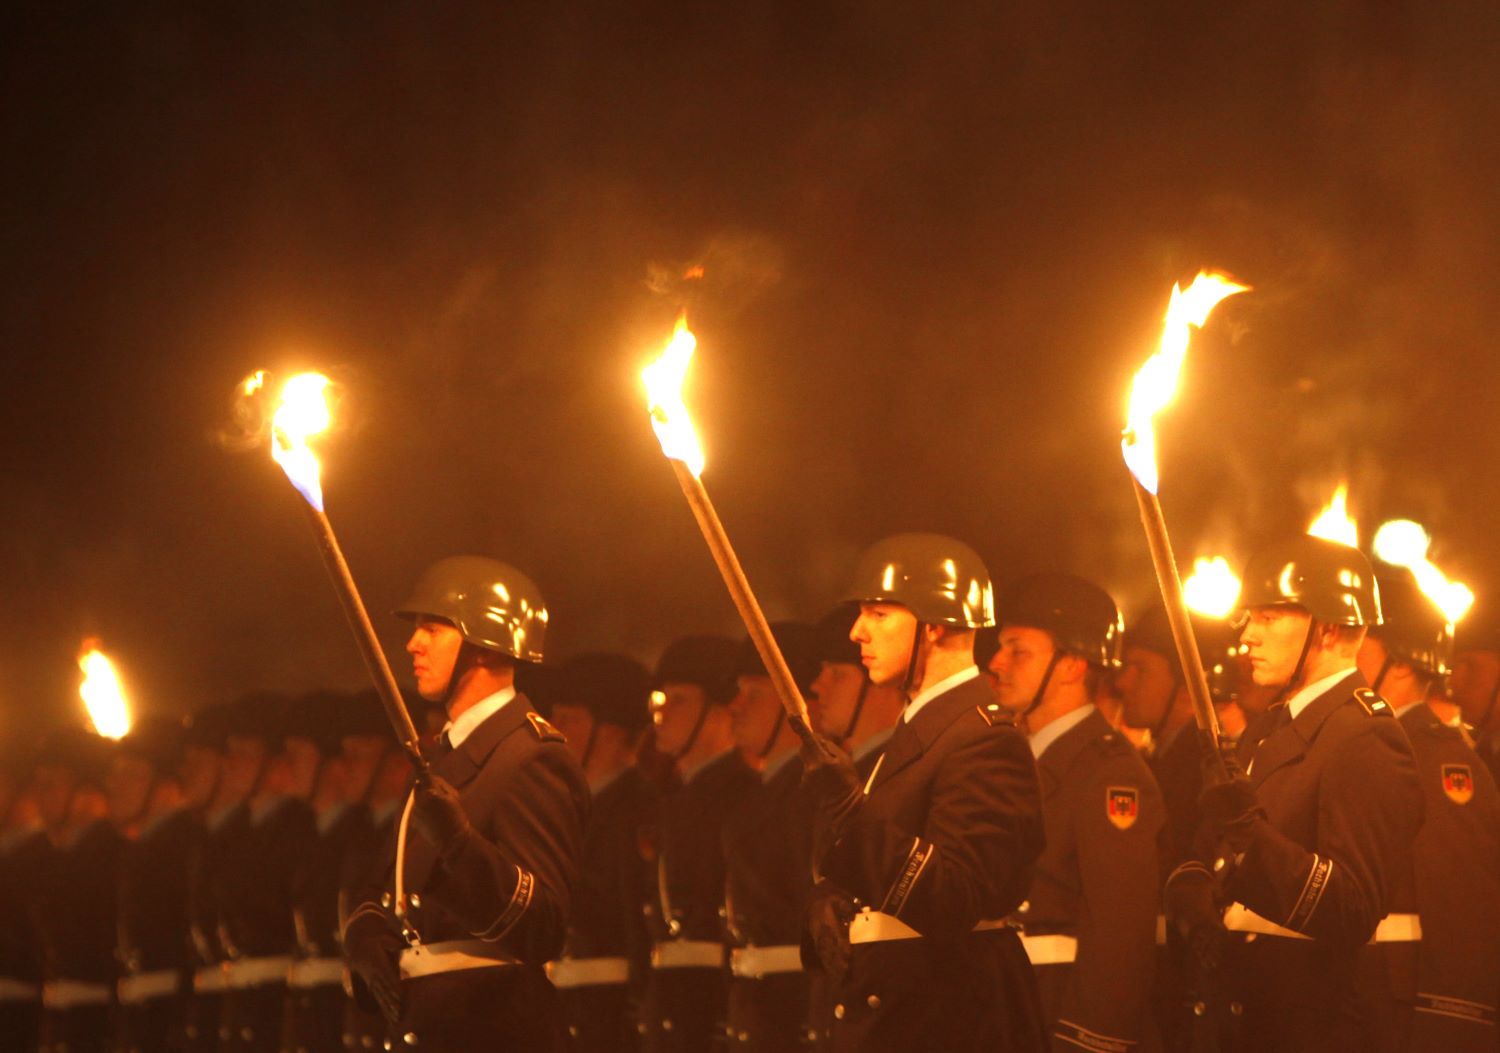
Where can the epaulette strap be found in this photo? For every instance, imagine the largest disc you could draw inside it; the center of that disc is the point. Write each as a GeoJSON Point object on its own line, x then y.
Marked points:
{"type": "Point", "coordinates": [545, 731]}
{"type": "Point", "coordinates": [1372, 703]}
{"type": "Point", "coordinates": [992, 714]}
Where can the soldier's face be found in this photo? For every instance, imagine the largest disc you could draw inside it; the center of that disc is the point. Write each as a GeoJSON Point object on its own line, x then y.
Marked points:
{"type": "Point", "coordinates": [576, 723]}
{"type": "Point", "coordinates": [434, 647]}
{"type": "Point", "coordinates": [200, 774]}
{"type": "Point", "coordinates": [52, 789]}
{"type": "Point", "coordinates": [835, 692]}
{"type": "Point", "coordinates": [1020, 666]}
{"type": "Point", "coordinates": [126, 788]}
{"type": "Point", "coordinates": [675, 712]}
{"type": "Point", "coordinates": [885, 633]}
{"type": "Point", "coordinates": [1273, 639]}
{"type": "Point", "coordinates": [1146, 686]}
{"type": "Point", "coordinates": [243, 759]}
{"type": "Point", "coordinates": [1472, 683]}
{"type": "Point", "coordinates": [753, 713]}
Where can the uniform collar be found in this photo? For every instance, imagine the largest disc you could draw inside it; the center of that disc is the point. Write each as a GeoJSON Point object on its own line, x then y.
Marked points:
{"type": "Point", "coordinates": [871, 744]}
{"type": "Point", "coordinates": [925, 696]}
{"type": "Point", "coordinates": [1058, 728]}
{"type": "Point", "coordinates": [463, 726]}
{"type": "Point", "coordinates": [1300, 701]}
{"type": "Point", "coordinates": [698, 769]}
{"type": "Point", "coordinates": [776, 763]}
{"type": "Point", "coordinates": [1398, 714]}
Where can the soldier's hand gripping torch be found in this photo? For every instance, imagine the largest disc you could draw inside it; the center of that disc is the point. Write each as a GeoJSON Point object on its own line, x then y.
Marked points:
{"type": "Point", "coordinates": [1152, 390]}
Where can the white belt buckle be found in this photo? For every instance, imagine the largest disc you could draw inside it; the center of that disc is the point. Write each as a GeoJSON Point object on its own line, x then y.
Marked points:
{"type": "Point", "coordinates": [569, 973]}
{"type": "Point", "coordinates": [752, 963]}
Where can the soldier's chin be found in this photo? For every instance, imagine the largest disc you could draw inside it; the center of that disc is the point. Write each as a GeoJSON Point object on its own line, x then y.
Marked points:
{"type": "Point", "coordinates": [1265, 677]}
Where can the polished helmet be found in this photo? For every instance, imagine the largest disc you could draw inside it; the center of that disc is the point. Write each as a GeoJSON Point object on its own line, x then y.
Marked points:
{"type": "Point", "coordinates": [1333, 582]}
{"type": "Point", "coordinates": [799, 646]}
{"type": "Point", "coordinates": [1080, 616]}
{"type": "Point", "coordinates": [1412, 628]}
{"type": "Point", "coordinates": [613, 688]}
{"type": "Point", "coordinates": [1218, 647]}
{"type": "Point", "coordinates": [833, 640]}
{"type": "Point", "coordinates": [491, 603]}
{"type": "Point", "coordinates": [707, 661]}
{"type": "Point", "coordinates": [940, 580]}
{"type": "Point", "coordinates": [157, 740]}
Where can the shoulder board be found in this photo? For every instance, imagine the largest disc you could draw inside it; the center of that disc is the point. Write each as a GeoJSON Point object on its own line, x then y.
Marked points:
{"type": "Point", "coordinates": [1372, 703]}
{"type": "Point", "coordinates": [993, 714]}
{"type": "Point", "coordinates": [545, 731]}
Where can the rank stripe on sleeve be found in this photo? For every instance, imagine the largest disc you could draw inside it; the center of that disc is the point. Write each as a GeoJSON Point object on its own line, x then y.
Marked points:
{"type": "Point", "coordinates": [1083, 1038]}
{"type": "Point", "coordinates": [1312, 894]}
{"type": "Point", "coordinates": [916, 862]}
{"type": "Point", "coordinates": [520, 899]}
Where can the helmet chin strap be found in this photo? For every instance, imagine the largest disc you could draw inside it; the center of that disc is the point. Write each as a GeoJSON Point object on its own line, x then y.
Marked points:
{"type": "Point", "coordinates": [765, 751]}
{"type": "Point", "coordinates": [697, 729]}
{"type": "Point", "coordinates": [916, 665]}
{"type": "Point", "coordinates": [588, 747]}
{"type": "Point", "coordinates": [1293, 683]}
{"type": "Point", "coordinates": [1041, 689]}
{"type": "Point", "coordinates": [1385, 667]}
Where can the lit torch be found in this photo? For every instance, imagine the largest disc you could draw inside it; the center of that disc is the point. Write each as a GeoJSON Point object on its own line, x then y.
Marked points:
{"type": "Point", "coordinates": [101, 691]}
{"type": "Point", "coordinates": [301, 413]}
{"type": "Point", "coordinates": [1334, 523]}
{"type": "Point", "coordinates": [1403, 543]}
{"type": "Point", "coordinates": [679, 441]}
{"type": "Point", "coordinates": [1212, 589]}
{"type": "Point", "coordinates": [1152, 390]}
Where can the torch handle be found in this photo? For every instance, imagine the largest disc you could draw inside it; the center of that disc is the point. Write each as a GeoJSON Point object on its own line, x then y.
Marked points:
{"type": "Point", "coordinates": [1178, 618]}
{"type": "Point", "coordinates": [744, 598]}
{"type": "Point", "coordinates": [364, 635]}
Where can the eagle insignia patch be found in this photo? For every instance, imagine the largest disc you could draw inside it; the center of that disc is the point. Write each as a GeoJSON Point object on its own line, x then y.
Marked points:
{"type": "Point", "coordinates": [1458, 783]}
{"type": "Point", "coordinates": [1122, 804]}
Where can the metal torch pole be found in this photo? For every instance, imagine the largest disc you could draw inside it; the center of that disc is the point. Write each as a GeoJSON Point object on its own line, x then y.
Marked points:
{"type": "Point", "coordinates": [744, 599]}
{"type": "Point", "coordinates": [364, 635]}
{"type": "Point", "coordinates": [1178, 618]}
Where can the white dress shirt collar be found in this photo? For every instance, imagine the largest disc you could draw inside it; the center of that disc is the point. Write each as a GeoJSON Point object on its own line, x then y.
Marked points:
{"type": "Point", "coordinates": [1298, 702]}
{"type": "Point", "coordinates": [464, 724]}
{"type": "Point", "coordinates": [963, 676]}
{"type": "Point", "coordinates": [1058, 728]}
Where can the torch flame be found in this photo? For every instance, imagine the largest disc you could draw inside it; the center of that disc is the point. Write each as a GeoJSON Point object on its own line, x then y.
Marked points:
{"type": "Point", "coordinates": [669, 416]}
{"type": "Point", "coordinates": [1156, 382]}
{"type": "Point", "coordinates": [301, 413]}
{"type": "Point", "coordinates": [1404, 543]}
{"type": "Point", "coordinates": [1213, 589]}
{"type": "Point", "coordinates": [102, 694]}
{"type": "Point", "coordinates": [1334, 523]}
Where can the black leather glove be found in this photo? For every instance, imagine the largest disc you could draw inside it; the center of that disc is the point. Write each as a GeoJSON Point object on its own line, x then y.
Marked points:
{"type": "Point", "coordinates": [372, 948]}
{"type": "Point", "coordinates": [829, 776]}
{"type": "Point", "coordinates": [438, 813]}
{"type": "Point", "coordinates": [1230, 810]}
{"type": "Point", "coordinates": [1193, 912]}
{"type": "Point", "coordinates": [829, 911]}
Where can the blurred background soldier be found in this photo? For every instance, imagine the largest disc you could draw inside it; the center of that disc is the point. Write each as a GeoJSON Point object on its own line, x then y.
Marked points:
{"type": "Point", "coordinates": [474, 894]}
{"type": "Point", "coordinates": [22, 843]}
{"type": "Point", "coordinates": [217, 780]}
{"type": "Point", "coordinates": [686, 990]}
{"type": "Point", "coordinates": [844, 705]}
{"type": "Point", "coordinates": [150, 810]}
{"type": "Point", "coordinates": [1451, 977]}
{"type": "Point", "coordinates": [768, 855]}
{"type": "Point", "coordinates": [1090, 917]}
{"type": "Point", "coordinates": [602, 704]}
{"type": "Point", "coordinates": [379, 778]}
{"type": "Point", "coordinates": [73, 893]}
{"type": "Point", "coordinates": [342, 726]}
{"type": "Point", "coordinates": [1321, 831]}
{"type": "Point", "coordinates": [935, 848]}
{"type": "Point", "coordinates": [255, 881]}
{"type": "Point", "coordinates": [1475, 685]}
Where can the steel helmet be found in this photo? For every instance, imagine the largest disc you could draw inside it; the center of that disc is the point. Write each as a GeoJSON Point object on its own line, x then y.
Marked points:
{"type": "Point", "coordinates": [1218, 647]}
{"type": "Point", "coordinates": [613, 688]}
{"type": "Point", "coordinates": [799, 646]}
{"type": "Point", "coordinates": [1334, 583]}
{"type": "Point", "coordinates": [707, 661]}
{"type": "Point", "coordinates": [1412, 628]}
{"type": "Point", "coordinates": [940, 580]}
{"type": "Point", "coordinates": [491, 603]}
{"type": "Point", "coordinates": [1080, 616]}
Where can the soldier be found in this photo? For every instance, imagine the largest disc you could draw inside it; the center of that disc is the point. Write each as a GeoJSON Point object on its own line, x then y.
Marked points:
{"type": "Point", "coordinates": [935, 848]}
{"type": "Point", "coordinates": [602, 706]}
{"type": "Point", "coordinates": [22, 844]}
{"type": "Point", "coordinates": [255, 881]}
{"type": "Point", "coordinates": [686, 990]}
{"type": "Point", "coordinates": [1312, 843]}
{"type": "Point", "coordinates": [768, 856]}
{"type": "Point", "coordinates": [1090, 917]}
{"type": "Point", "coordinates": [341, 726]}
{"type": "Point", "coordinates": [844, 704]}
{"type": "Point", "coordinates": [150, 809]}
{"type": "Point", "coordinates": [1475, 685]}
{"type": "Point", "coordinates": [73, 893]}
{"type": "Point", "coordinates": [1451, 977]}
{"type": "Point", "coordinates": [475, 891]}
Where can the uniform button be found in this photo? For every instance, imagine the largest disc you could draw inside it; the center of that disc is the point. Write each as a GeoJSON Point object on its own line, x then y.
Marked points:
{"type": "Point", "coordinates": [744, 1036]}
{"type": "Point", "coordinates": [224, 1034]}
{"type": "Point", "coordinates": [1199, 1009]}
{"type": "Point", "coordinates": [416, 900]}
{"type": "Point", "coordinates": [573, 1030]}
{"type": "Point", "coordinates": [247, 1033]}
{"type": "Point", "coordinates": [368, 1042]}
{"type": "Point", "coordinates": [386, 1044]}
{"type": "Point", "coordinates": [838, 1011]}
{"type": "Point", "coordinates": [1024, 907]}
{"type": "Point", "coordinates": [385, 900]}
{"type": "Point", "coordinates": [410, 1038]}
{"type": "Point", "coordinates": [873, 1001]}
{"type": "Point", "coordinates": [666, 1024]}
{"type": "Point", "coordinates": [640, 1028]}
{"type": "Point", "coordinates": [1236, 1008]}
{"type": "Point", "coordinates": [348, 1040]}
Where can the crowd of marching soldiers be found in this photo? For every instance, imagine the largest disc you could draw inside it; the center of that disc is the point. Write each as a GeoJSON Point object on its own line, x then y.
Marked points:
{"type": "Point", "coordinates": [1120, 885]}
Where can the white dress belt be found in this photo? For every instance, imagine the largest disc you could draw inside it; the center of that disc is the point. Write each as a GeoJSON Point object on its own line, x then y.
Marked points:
{"type": "Point", "coordinates": [1050, 949]}
{"type": "Point", "coordinates": [568, 973]}
{"type": "Point", "coordinates": [1393, 928]}
{"type": "Point", "coordinates": [873, 926]}
{"type": "Point", "coordinates": [687, 954]}
{"type": "Point", "coordinates": [245, 973]}
{"type": "Point", "coordinates": [451, 956]}
{"type": "Point", "coordinates": [72, 994]}
{"type": "Point", "coordinates": [143, 987]}
{"type": "Point", "coordinates": [307, 973]}
{"type": "Point", "coordinates": [751, 963]}
{"type": "Point", "coordinates": [211, 979]}
{"type": "Point", "coordinates": [18, 990]}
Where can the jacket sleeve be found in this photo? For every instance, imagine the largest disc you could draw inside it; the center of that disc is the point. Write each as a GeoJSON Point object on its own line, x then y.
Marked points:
{"type": "Point", "coordinates": [1369, 811]}
{"type": "Point", "coordinates": [511, 877]}
{"type": "Point", "coordinates": [1110, 984]}
{"type": "Point", "coordinates": [971, 860]}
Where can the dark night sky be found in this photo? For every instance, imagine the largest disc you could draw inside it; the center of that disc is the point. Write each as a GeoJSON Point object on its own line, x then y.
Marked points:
{"type": "Point", "coordinates": [937, 243]}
